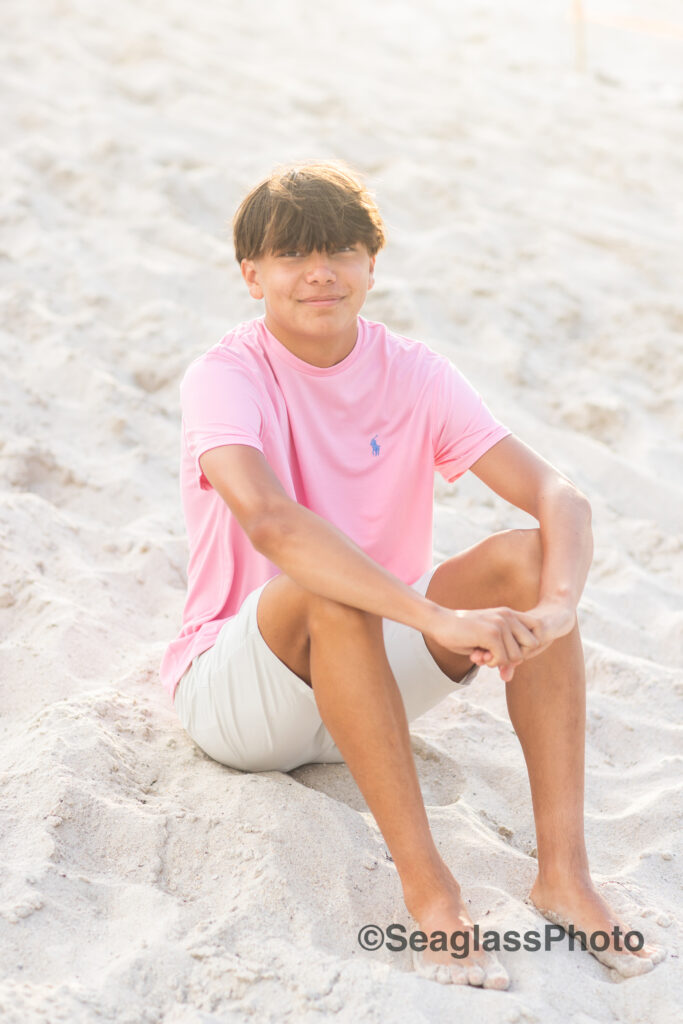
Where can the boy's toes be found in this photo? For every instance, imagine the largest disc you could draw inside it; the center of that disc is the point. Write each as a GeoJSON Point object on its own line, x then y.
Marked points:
{"type": "Point", "coordinates": [476, 975]}
{"type": "Point", "coordinates": [496, 976]}
{"type": "Point", "coordinates": [457, 975]}
{"type": "Point", "coordinates": [629, 966]}
{"type": "Point", "coordinates": [490, 974]}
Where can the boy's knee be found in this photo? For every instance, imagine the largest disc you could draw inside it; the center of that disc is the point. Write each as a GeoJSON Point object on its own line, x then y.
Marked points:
{"type": "Point", "coordinates": [325, 614]}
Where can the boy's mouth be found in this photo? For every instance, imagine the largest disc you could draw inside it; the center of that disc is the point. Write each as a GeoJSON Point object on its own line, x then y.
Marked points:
{"type": "Point", "coordinates": [322, 300]}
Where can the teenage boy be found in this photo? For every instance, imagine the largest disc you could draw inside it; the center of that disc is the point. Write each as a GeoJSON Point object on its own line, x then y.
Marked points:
{"type": "Point", "coordinates": [315, 626]}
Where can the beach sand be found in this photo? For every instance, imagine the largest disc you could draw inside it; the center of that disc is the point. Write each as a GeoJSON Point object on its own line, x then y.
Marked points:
{"type": "Point", "coordinates": [534, 213]}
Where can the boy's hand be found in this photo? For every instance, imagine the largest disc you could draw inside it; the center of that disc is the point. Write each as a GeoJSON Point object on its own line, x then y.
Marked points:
{"type": "Point", "coordinates": [497, 637]}
{"type": "Point", "coordinates": [553, 619]}
{"type": "Point", "coordinates": [502, 637]}
{"type": "Point", "coordinates": [548, 621]}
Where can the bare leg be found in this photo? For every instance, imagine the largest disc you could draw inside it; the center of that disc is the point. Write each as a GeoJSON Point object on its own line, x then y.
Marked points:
{"type": "Point", "coordinates": [547, 705]}
{"type": "Point", "coordinates": [546, 702]}
{"type": "Point", "coordinates": [350, 670]}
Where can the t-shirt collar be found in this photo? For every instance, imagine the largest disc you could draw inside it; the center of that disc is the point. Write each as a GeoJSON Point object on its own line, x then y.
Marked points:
{"type": "Point", "coordinates": [282, 353]}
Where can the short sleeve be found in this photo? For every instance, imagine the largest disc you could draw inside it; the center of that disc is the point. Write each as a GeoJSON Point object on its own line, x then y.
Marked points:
{"type": "Point", "coordinates": [463, 428]}
{"type": "Point", "coordinates": [220, 405]}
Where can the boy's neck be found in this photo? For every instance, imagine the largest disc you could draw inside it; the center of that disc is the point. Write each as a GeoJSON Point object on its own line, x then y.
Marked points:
{"type": "Point", "coordinates": [323, 349]}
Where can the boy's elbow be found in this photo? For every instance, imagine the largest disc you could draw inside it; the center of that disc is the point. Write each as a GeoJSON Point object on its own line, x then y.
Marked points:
{"type": "Point", "coordinates": [266, 531]}
{"type": "Point", "coordinates": [260, 533]}
{"type": "Point", "coordinates": [583, 503]}
{"type": "Point", "coordinates": [585, 506]}
{"type": "Point", "coordinates": [571, 494]}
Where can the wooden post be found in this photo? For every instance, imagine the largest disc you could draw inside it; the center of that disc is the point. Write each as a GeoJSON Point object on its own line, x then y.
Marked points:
{"type": "Point", "coordinates": [579, 35]}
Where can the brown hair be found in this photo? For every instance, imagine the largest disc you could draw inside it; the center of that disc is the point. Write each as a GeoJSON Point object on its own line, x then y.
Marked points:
{"type": "Point", "coordinates": [319, 205]}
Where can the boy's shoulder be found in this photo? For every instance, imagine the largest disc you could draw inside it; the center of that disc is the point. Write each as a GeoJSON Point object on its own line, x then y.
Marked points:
{"type": "Point", "coordinates": [401, 347]}
{"type": "Point", "coordinates": [232, 350]}
{"type": "Point", "coordinates": [240, 338]}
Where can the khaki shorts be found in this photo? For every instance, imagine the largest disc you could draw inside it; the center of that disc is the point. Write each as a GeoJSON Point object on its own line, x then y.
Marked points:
{"type": "Point", "coordinates": [245, 708]}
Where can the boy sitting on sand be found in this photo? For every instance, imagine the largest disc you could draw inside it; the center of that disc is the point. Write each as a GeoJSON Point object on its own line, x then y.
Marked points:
{"type": "Point", "coordinates": [315, 626]}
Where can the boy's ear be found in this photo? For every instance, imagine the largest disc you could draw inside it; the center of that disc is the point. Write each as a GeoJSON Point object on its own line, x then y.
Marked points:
{"type": "Point", "coordinates": [371, 277]}
{"type": "Point", "coordinates": [250, 275]}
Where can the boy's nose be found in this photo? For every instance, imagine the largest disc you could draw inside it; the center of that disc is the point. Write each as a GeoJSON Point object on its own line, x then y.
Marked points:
{"type": "Point", "coordinates": [319, 268]}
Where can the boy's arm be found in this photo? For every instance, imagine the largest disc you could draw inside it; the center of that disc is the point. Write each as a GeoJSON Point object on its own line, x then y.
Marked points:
{"type": "Point", "coordinates": [309, 549]}
{"type": "Point", "coordinates": [321, 558]}
{"type": "Point", "coordinates": [519, 475]}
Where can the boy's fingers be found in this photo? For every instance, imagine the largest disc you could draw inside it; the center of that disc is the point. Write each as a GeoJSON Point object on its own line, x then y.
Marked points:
{"type": "Point", "coordinates": [524, 636]}
{"type": "Point", "coordinates": [528, 620]}
{"type": "Point", "coordinates": [512, 651]}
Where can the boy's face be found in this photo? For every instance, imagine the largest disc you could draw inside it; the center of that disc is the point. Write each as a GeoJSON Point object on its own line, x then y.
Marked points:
{"type": "Point", "coordinates": [312, 296]}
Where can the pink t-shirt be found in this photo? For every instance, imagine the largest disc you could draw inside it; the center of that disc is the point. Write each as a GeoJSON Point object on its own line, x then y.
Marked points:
{"type": "Point", "coordinates": [356, 442]}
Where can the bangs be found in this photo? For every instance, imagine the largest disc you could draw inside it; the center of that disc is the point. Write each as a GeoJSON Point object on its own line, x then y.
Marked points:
{"type": "Point", "coordinates": [321, 206]}
{"type": "Point", "coordinates": [327, 226]}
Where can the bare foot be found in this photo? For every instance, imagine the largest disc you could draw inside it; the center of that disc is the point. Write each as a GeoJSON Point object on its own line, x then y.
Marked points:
{"type": "Point", "coordinates": [580, 906]}
{"type": "Point", "coordinates": [446, 913]}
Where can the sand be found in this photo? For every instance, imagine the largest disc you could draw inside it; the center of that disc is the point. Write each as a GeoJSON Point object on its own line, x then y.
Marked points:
{"type": "Point", "coordinates": [534, 214]}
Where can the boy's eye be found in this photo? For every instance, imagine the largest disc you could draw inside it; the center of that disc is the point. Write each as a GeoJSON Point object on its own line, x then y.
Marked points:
{"type": "Point", "coordinates": [293, 253]}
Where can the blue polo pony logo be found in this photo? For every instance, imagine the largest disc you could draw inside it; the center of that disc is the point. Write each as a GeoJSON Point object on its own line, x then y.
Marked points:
{"type": "Point", "coordinates": [374, 446]}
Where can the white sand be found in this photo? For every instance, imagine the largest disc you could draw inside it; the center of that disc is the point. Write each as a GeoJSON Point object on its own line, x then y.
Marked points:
{"type": "Point", "coordinates": [535, 238]}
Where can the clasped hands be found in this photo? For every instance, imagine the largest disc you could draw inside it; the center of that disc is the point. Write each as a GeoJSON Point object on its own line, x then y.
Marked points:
{"type": "Point", "coordinates": [503, 638]}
